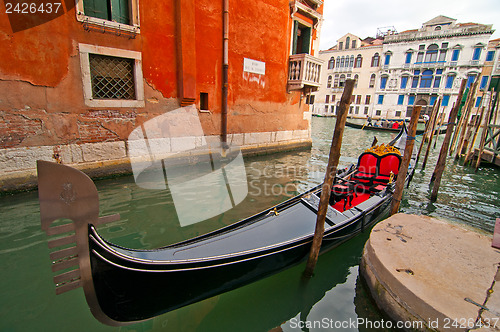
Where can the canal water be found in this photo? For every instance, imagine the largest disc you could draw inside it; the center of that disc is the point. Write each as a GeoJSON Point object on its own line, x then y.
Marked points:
{"type": "Point", "coordinates": [334, 299]}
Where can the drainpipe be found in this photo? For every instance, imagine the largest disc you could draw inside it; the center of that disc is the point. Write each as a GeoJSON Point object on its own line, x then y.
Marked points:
{"type": "Point", "coordinates": [225, 67]}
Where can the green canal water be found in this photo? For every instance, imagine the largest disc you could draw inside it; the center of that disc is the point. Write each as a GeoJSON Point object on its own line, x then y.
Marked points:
{"type": "Point", "coordinates": [334, 297]}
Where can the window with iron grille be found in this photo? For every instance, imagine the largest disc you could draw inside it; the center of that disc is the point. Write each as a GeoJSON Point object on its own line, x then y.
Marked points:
{"type": "Point", "coordinates": [112, 77]}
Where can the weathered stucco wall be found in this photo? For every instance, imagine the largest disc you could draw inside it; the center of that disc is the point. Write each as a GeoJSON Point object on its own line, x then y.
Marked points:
{"type": "Point", "coordinates": [42, 96]}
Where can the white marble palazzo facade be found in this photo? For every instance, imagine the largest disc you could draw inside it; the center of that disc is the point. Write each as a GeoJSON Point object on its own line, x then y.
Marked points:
{"type": "Point", "coordinates": [415, 67]}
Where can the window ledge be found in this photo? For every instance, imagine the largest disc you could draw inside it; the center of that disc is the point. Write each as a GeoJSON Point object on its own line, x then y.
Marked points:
{"type": "Point", "coordinates": [105, 24]}
{"type": "Point", "coordinates": [114, 103]}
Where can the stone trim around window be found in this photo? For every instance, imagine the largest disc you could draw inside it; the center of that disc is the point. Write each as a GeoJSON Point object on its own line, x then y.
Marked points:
{"type": "Point", "coordinates": [85, 50]}
{"type": "Point", "coordinates": [133, 27]}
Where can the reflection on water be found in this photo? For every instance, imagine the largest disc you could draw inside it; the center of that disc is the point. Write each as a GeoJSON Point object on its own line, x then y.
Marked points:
{"type": "Point", "coordinates": [280, 302]}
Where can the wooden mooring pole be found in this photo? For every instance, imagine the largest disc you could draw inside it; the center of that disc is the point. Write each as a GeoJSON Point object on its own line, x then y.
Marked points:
{"type": "Point", "coordinates": [331, 171]}
{"type": "Point", "coordinates": [431, 136]}
{"type": "Point", "coordinates": [442, 116]}
{"type": "Point", "coordinates": [470, 148]}
{"type": "Point", "coordinates": [403, 169]}
{"type": "Point", "coordinates": [428, 127]}
{"type": "Point", "coordinates": [441, 163]}
{"type": "Point", "coordinates": [466, 123]}
{"type": "Point", "coordinates": [485, 129]}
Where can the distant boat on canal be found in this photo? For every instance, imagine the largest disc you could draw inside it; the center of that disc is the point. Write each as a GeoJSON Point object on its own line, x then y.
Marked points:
{"type": "Point", "coordinates": [386, 129]}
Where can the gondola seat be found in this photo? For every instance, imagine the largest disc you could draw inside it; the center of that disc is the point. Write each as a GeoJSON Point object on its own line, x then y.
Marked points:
{"type": "Point", "coordinates": [343, 191]}
{"type": "Point", "coordinates": [367, 168]}
{"type": "Point", "coordinates": [388, 164]}
{"type": "Point", "coordinates": [374, 170]}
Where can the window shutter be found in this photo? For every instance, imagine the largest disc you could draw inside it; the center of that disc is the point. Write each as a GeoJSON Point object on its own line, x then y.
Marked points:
{"type": "Point", "coordinates": [295, 29]}
{"type": "Point", "coordinates": [96, 8]}
{"type": "Point", "coordinates": [120, 11]}
{"type": "Point", "coordinates": [306, 40]}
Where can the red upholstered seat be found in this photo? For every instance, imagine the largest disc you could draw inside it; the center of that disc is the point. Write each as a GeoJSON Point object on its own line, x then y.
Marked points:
{"type": "Point", "coordinates": [367, 168]}
{"type": "Point", "coordinates": [367, 163]}
{"type": "Point", "coordinates": [374, 169]}
{"type": "Point", "coordinates": [343, 191]}
{"type": "Point", "coordinates": [389, 163]}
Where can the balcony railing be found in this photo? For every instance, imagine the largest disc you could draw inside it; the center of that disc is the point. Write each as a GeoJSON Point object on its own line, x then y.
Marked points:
{"type": "Point", "coordinates": [304, 71]}
{"type": "Point", "coordinates": [342, 70]}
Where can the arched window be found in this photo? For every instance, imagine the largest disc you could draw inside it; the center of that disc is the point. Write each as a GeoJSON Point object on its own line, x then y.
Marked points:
{"type": "Point", "coordinates": [351, 62]}
{"type": "Point", "coordinates": [415, 79]}
{"type": "Point", "coordinates": [404, 82]}
{"type": "Point", "coordinates": [470, 79]}
{"type": "Point", "coordinates": [338, 61]}
{"type": "Point", "coordinates": [383, 82]}
{"type": "Point", "coordinates": [387, 60]}
{"type": "Point", "coordinates": [449, 81]}
{"type": "Point", "coordinates": [331, 63]}
{"type": "Point", "coordinates": [342, 59]}
{"type": "Point", "coordinates": [477, 53]}
{"type": "Point", "coordinates": [437, 28]}
{"type": "Point", "coordinates": [437, 78]}
{"type": "Point", "coordinates": [359, 61]}
{"type": "Point", "coordinates": [356, 77]}
{"type": "Point", "coordinates": [329, 82]}
{"type": "Point", "coordinates": [354, 43]}
{"type": "Point", "coordinates": [372, 81]}
{"type": "Point", "coordinates": [431, 53]}
{"type": "Point", "coordinates": [336, 81]}
{"type": "Point", "coordinates": [342, 80]}
{"type": "Point", "coordinates": [347, 42]}
{"type": "Point", "coordinates": [375, 60]}
{"type": "Point", "coordinates": [408, 57]}
{"type": "Point", "coordinates": [426, 80]}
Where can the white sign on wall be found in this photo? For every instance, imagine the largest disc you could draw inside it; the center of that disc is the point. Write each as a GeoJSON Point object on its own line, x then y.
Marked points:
{"type": "Point", "coordinates": [254, 66]}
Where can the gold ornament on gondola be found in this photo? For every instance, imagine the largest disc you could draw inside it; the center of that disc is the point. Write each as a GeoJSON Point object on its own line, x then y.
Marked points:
{"type": "Point", "coordinates": [383, 149]}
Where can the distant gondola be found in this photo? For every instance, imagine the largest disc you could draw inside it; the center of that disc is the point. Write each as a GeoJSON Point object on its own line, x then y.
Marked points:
{"type": "Point", "coordinates": [393, 130]}
{"type": "Point", "coordinates": [124, 285]}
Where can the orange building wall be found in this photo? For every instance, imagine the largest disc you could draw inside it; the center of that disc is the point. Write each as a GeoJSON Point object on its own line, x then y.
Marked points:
{"type": "Point", "coordinates": [41, 93]}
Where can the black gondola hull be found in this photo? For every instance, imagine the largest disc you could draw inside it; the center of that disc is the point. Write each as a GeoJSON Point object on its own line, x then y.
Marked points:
{"type": "Point", "coordinates": [123, 287]}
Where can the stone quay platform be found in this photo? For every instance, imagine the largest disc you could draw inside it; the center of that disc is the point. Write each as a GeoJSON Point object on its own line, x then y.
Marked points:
{"type": "Point", "coordinates": [427, 274]}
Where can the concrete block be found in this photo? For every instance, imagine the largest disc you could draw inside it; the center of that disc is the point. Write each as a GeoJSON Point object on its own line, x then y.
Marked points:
{"type": "Point", "coordinates": [421, 269]}
{"type": "Point", "coordinates": [257, 138]}
{"type": "Point", "coordinates": [201, 141]}
{"type": "Point", "coordinates": [284, 135]}
{"type": "Point", "coordinates": [236, 139]}
{"type": "Point", "coordinates": [159, 147]}
{"type": "Point", "coordinates": [103, 151]}
{"type": "Point", "coordinates": [76, 153]}
{"type": "Point", "coordinates": [301, 134]}
{"type": "Point", "coordinates": [18, 159]}
{"type": "Point", "coordinates": [180, 144]}
{"type": "Point", "coordinates": [71, 154]}
{"type": "Point", "coordinates": [273, 136]}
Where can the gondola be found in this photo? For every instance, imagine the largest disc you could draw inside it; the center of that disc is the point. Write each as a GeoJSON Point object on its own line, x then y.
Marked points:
{"type": "Point", "coordinates": [393, 130]}
{"type": "Point", "coordinates": [124, 286]}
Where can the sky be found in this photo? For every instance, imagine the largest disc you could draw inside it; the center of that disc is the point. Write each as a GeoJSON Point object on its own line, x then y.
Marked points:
{"type": "Point", "coordinates": [363, 17]}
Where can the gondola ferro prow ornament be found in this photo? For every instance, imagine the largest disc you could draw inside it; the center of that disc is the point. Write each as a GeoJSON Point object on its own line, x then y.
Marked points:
{"type": "Point", "coordinates": [67, 193]}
